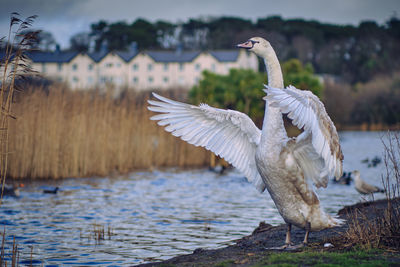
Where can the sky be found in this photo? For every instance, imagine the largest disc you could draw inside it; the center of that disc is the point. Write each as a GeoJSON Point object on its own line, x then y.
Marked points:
{"type": "Point", "coordinates": [64, 18]}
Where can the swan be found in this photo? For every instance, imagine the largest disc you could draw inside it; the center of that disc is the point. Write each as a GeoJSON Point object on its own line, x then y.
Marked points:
{"type": "Point", "coordinates": [285, 166]}
{"type": "Point", "coordinates": [363, 187]}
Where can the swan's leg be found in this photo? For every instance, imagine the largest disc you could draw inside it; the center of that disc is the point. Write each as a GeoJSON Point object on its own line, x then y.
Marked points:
{"type": "Point", "coordinates": [288, 244]}
{"type": "Point", "coordinates": [308, 228]}
{"type": "Point", "coordinates": [287, 241]}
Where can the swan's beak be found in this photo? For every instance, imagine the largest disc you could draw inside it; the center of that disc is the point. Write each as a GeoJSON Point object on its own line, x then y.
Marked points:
{"type": "Point", "coordinates": [246, 45]}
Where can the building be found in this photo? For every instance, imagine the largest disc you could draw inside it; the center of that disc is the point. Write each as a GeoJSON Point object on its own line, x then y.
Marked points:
{"type": "Point", "coordinates": [138, 70]}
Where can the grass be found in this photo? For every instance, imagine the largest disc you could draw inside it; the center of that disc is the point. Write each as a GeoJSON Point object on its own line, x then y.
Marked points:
{"type": "Point", "coordinates": [353, 258]}
{"type": "Point", "coordinates": [316, 258]}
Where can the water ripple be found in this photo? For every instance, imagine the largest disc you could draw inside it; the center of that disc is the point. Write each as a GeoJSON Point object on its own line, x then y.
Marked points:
{"type": "Point", "coordinates": [148, 216]}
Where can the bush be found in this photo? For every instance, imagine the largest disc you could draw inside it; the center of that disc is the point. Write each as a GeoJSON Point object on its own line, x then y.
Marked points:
{"type": "Point", "coordinates": [242, 89]}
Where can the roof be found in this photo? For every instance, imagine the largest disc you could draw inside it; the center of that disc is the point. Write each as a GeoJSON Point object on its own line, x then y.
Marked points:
{"type": "Point", "coordinates": [54, 57]}
{"type": "Point", "coordinates": [173, 56]}
{"type": "Point", "coordinates": [225, 55]}
{"type": "Point", "coordinates": [158, 56]}
{"type": "Point", "coordinates": [98, 56]}
{"type": "Point", "coordinates": [127, 55]}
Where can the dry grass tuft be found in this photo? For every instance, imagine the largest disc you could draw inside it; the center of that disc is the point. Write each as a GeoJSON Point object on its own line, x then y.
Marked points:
{"type": "Point", "coordinates": [14, 256]}
{"type": "Point", "coordinates": [98, 233]}
{"type": "Point", "coordinates": [368, 231]}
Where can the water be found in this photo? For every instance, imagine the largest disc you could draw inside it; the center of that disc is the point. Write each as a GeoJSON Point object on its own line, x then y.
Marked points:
{"type": "Point", "coordinates": [156, 215]}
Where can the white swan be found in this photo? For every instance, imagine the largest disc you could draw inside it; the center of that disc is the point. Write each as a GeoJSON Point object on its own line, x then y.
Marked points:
{"type": "Point", "coordinates": [286, 167]}
{"type": "Point", "coordinates": [363, 187]}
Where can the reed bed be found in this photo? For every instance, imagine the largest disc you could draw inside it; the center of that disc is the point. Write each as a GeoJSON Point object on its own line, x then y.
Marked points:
{"type": "Point", "coordinates": [61, 133]}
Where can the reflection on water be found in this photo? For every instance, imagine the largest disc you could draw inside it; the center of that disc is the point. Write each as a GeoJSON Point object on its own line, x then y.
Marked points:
{"type": "Point", "coordinates": [156, 215]}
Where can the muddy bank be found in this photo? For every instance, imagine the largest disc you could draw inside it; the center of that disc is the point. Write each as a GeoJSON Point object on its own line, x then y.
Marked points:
{"type": "Point", "coordinates": [254, 247]}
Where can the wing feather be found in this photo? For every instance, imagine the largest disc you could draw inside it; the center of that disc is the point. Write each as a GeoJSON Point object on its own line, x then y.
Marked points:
{"type": "Point", "coordinates": [308, 113]}
{"type": "Point", "coordinates": [229, 134]}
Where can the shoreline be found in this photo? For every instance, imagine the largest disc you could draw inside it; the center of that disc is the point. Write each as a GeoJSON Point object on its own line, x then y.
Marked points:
{"type": "Point", "coordinates": [253, 248]}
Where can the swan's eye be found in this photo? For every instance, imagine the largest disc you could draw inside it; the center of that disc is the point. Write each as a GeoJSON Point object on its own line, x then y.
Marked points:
{"type": "Point", "coordinates": [253, 42]}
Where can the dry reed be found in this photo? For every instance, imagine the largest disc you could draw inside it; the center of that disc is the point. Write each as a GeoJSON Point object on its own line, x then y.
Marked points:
{"type": "Point", "coordinates": [13, 66]}
{"type": "Point", "coordinates": [382, 231]}
{"type": "Point", "coordinates": [62, 133]}
{"type": "Point", "coordinates": [14, 256]}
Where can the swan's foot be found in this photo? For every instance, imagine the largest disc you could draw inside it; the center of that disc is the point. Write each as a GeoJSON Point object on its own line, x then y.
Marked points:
{"type": "Point", "coordinates": [295, 247]}
{"type": "Point", "coordinates": [288, 244]}
{"type": "Point", "coordinates": [287, 247]}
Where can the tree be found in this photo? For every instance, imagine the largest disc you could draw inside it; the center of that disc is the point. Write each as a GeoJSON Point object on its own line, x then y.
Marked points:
{"type": "Point", "coordinates": [302, 77]}
{"type": "Point", "coordinates": [144, 33]}
{"type": "Point", "coordinates": [97, 33]}
{"type": "Point", "coordinates": [166, 34]}
{"type": "Point", "coordinates": [239, 90]}
{"type": "Point", "coordinates": [242, 89]}
{"type": "Point", "coordinates": [80, 42]}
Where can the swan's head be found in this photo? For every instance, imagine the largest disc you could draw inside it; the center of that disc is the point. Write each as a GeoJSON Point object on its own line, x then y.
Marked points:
{"type": "Point", "coordinates": [256, 45]}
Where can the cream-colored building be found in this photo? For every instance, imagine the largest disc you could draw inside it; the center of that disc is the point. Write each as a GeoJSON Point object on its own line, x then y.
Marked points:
{"type": "Point", "coordinates": [138, 70]}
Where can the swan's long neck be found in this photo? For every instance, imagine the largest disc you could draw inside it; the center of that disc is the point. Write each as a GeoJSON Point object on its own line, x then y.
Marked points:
{"type": "Point", "coordinates": [273, 131]}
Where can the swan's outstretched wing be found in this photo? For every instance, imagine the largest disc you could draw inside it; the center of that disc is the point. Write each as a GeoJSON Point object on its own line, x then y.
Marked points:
{"type": "Point", "coordinates": [229, 134]}
{"type": "Point", "coordinates": [308, 112]}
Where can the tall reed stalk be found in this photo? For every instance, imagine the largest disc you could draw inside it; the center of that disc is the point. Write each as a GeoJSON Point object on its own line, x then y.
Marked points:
{"type": "Point", "coordinates": [62, 133]}
{"type": "Point", "coordinates": [12, 67]}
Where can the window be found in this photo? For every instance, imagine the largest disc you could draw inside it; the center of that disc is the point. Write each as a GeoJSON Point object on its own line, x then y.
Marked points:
{"type": "Point", "coordinates": [135, 67]}
{"type": "Point", "coordinates": [196, 80]}
{"type": "Point", "coordinates": [150, 67]}
{"type": "Point", "coordinates": [108, 65]}
{"type": "Point", "coordinates": [181, 79]}
{"type": "Point", "coordinates": [90, 67]}
{"type": "Point", "coordinates": [90, 80]}
{"type": "Point", "coordinates": [75, 79]}
{"type": "Point", "coordinates": [118, 80]}
{"type": "Point", "coordinates": [181, 66]}
{"type": "Point", "coordinates": [151, 79]}
{"type": "Point", "coordinates": [74, 67]}
{"type": "Point", "coordinates": [197, 67]}
{"type": "Point", "coordinates": [59, 66]}
{"type": "Point", "coordinates": [213, 68]}
{"type": "Point", "coordinates": [165, 66]}
{"type": "Point", "coordinates": [43, 67]}
{"type": "Point", "coordinates": [135, 80]}
{"type": "Point", "coordinates": [118, 65]}
{"type": "Point", "coordinates": [165, 79]}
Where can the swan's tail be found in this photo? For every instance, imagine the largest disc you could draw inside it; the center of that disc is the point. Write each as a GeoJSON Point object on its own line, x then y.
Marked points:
{"type": "Point", "coordinates": [334, 221]}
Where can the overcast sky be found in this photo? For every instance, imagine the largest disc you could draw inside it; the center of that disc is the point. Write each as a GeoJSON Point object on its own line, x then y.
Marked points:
{"type": "Point", "coordinates": [64, 18]}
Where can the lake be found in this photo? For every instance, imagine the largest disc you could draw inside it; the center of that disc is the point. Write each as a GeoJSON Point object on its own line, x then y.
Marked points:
{"type": "Point", "coordinates": [154, 215]}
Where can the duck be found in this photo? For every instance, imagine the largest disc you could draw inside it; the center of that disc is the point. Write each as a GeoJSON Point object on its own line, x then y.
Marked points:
{"type": "Point", "coordinates": [12, 191]}
{"type": "Point", "coordinates": [363, 187]}
{"type": "Point", "coordinates": [344, 180]}
{"type": "Point", "coordinates": [53, 191]}
{"type": "Point", "coordinates": [286, 167]}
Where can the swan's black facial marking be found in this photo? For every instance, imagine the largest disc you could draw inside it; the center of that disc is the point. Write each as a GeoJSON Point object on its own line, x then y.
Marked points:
{"type": "Point", "coordinates": [249, 44]}
{"type": "Point", "coordinates": [253, 42]}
